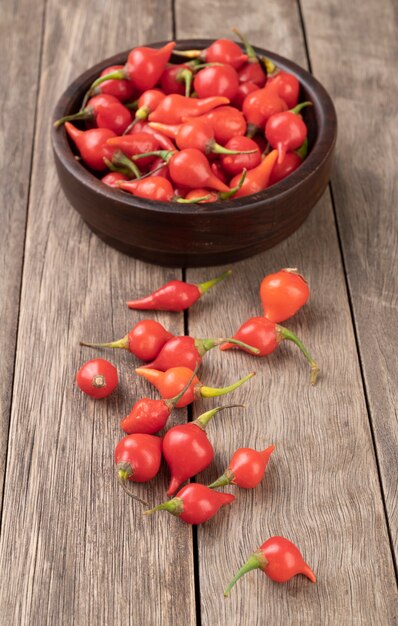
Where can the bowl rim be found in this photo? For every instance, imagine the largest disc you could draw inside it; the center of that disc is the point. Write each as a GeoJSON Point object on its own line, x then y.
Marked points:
{"type": "Point", "coordinates": [320, 151]}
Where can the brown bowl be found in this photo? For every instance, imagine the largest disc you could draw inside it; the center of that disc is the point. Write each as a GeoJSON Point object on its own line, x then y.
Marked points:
{"type": "Point", "coordinates": [201, 234]}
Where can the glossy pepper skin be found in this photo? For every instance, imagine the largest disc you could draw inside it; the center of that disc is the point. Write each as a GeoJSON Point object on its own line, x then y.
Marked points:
{"type": "Point", "coordinates": [145, 340]}
{"type": "Point", "coordinates": [257, 179]}
{"type": "Point", "coordinates": [187, 449]}
{"type": "Point", "coordinates": [123, 90]}
{"type": "Point", "coordinates": [175, 107]}
{"type": "Point", "coordinates": [138, 457]}
{"type": "Point", "coordinates": [220, 51]}
{"type": "Point", "coordinates": [194, 503]}
{"type": "Point", "coordinates": [246, 468]}
{"type": "Point", "coordinates": [283, 294]}
{"type": "Point", "coordinates": [279, 559]}
{"type": "Point", "coordinates": [286, 86]}
{"type": "Point", "coordinates": [286, 130]}
{"type": "Point", "coordinates": [92, 145]}
{"type": "Point", "coordinates": [175, 295]}
{"type": "Point", "coordinates": [265, 335]}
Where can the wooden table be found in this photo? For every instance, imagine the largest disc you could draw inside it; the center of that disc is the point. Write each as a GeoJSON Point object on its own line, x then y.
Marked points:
{"type": "Point", "coordinates": [74, 550]}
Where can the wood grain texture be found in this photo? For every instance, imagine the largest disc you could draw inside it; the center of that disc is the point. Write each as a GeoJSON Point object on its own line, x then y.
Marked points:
{"type": "Point", "coordinates": [20, 55]}
{"type": "Point", "coordinates": [365, 91]}
{"type": "Point", "coordinates": [322, 489]}
{"type": "Point", "coordinates": [74, 549]}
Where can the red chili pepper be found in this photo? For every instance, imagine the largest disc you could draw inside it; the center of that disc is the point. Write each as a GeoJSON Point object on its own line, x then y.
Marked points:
{"type": "Point", "coordinates": [105, 110]}
{"type": "Point", "coordinates": [249, 157]}
{"type": "Point", "coordinates": [266, 336]}
{"type": "Point", "coordinates": [218, 171]}
{"type": "Point", "coordinates": [177, 79]}
{"type": "Point", "coordinates": [147, 102]}
{"type": "Point", "coordinates": [283, 294]}
{"type": "Point", "coordinates": [288, 165]}
{"type": "Point", "coordinates": [286, 86]}
{"type": "Point", "coordinates": [112, 179]}
{"type": "Point", "coordinates": [198, 134]}
{"type": "Point", "coordinates": [137, 459]}
{"type": "Point", "coordinates": [198, 194]}
{"type": "Point", "coordinates": [246, 468]}
{"type": "Point", "coordinates": [186, 351]}
{"type": "Point", "coordinates": [190, 167]}
{"type": "Point", "coordinates": [145, 340]}
{"type": "Point", "coordinates": [187, 449]}
{"type": "Point", "coordinates": [95, 151]}
{"type": "Point", "coordinates": [163, 141]}
{"type": "Point", "coordinates": [243, 90]}
{"type": "Point", "coordinates": [97, 378]}
{"type": "Point", "coordinates": [220, 51]}
{"type": "Point", "coordinates": [257, 179]}
{"type": "Point", "coordinates": [123, 90]}
{"type": "Point", "coordinates": [138, 143]}
{"type": "Point", "coordinates": [286, 131]}
{"type": "Point", "coordinates": [279, 559]}
{"type": "Point", "coordinates": [149, 416]}
{"type": "Point", "coordinates": [144, 67]}
{"type": "Point", "coordinates": [155, 188]}
{"type": "Point", "coordinates": [194, 503]}
{"type": "Point", "coordinates": [252, 70]}
{"type": "Point", "coordinates": [216, 80]}
{"type": "Point", "coordinates": [226, 121]}
{"type": "Point", "coordinates": [258, 107]}
{"type": "Point", "coordinates": [174, 108]}
{"type": "Point", "coordinates": [176, 295]}
{"type": "Point", "coordinates": [171, 382]}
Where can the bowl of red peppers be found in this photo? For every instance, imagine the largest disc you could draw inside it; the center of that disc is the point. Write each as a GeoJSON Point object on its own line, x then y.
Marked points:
{"type": "Point", "coordinates": [195, 152]}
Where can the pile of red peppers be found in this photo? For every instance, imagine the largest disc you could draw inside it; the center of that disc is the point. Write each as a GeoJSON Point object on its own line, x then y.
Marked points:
{"type": "Point", "coordinates": [171, 365]}
{"type": "Point", "coordinates": [221, 124]}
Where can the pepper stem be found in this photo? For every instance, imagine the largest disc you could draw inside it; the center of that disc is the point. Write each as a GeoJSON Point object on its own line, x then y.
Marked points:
{"type": "Point", "coordinates": [300, 106]}
{"type": "Point", "coordinates": [119, 158]}
{"type": "Point", "coordinates": [212, 392]}
{"type": "Point", "coordinates": [163, 154]}
{"type": "Point", "coordinates": [203, 287]}
{"type": "Point", "coordinates": [224, 195]}
{"type": "Point", "coordinates": [172, 402]}
{"type": "Point", "coordinates": [120, 343]}
{"type": "Point", "coordinates": [205, 418]}
{"type": "Point", "coordinates": [131, 125]}
{"type": "Point", "coordinates": [223, 480]}
{"type": "Point", "coordinates": [114, 168]}
{"type": "Point", "coordinates": [204, 345]}
{"type": "Point", "coordinates": [188, 54]}
{"type": "Point", "coordinates": [303, 149]}
{"type": "Point", "coordinates": [117, 74]}
{"type": "Point", "coordinates": [218, 149]}
{"type": "Point", "coordinates": [255, 561]}
{"type": "Point", "coordinates": [268, 65]}
{"type": "Point", "coordinates": [123, 476]}
{"type": "Point", "coordinates": [174, 506]}
{"type": "Point", "coordinates": [285, 333]}
{"type": "Point", "coordinates": [192, 200]}
{"type": "Point", "coordinates": [248, 47]}
{"type": "Point", "coordinates": [84, 114]}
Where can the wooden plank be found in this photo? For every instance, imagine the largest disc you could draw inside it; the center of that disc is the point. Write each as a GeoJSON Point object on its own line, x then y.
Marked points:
{"type": "Point", "coordinates": [74, 549]}
{"type": "Point", "coordinates": [322, 488]}
{"type": "Point", "coordinates": [365, 91]}
{"type": "Point", "coordinates": [20, 55]}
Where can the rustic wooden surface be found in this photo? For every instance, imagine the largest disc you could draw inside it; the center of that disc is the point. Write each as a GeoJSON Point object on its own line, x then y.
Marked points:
{"type": "Point", "coordinates": [73, 549]}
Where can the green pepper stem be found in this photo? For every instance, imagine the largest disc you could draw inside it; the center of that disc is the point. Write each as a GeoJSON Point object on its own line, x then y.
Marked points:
{"type": "Point", "coordinates": [300, 106]}
{"type": "Point", "coordinates": [224, 195]}
{"type": "Point", "coordinates": [84, 114]}
{"type": "Point", "coordinates": [188, 54]}
{"type": "Point", "coordinates": [186, 77]}
{"type": "Point", "coordinates": [213, 392]}
{"type": "Point", "coordinates": [285, 333]}
{"type": "Point", "coordinates": [223, 480]}
{"type": "Point", "coordinates": [123, 344]}
{"type": "Point", "coordinates": [163, 154]}
{"type": "Point", "coordinates": [132, 106]}
{"type": "Point", "coordinates": [192, 200]}
{"type": "Point", "coordinates": [114, 168]}
{"type": "Point", "coordinates": [303, 150]}
{"type": "Point", "coordinates": [248, 47]}
{"type": "Point", "coordinates": [255, 561]}
{"type": "Point", "coordinates": [117, 74]}
{"type": "Point", "coordinates": [204, 345]}
{"type": "Point", "coordinates": [203, 287]}
{"type": "Point", "coordinates": [218, 149]}
{"type": "Point", "coordinates": [174, 506]}
{"type": "Point", "coordinates": [123, 475]}
{"type": "Point", "coordinates": [131, 125]}
{"type": "Point", "coordinates": [205, 418]}
{"type": "Point", "coordinates": [119, 158]}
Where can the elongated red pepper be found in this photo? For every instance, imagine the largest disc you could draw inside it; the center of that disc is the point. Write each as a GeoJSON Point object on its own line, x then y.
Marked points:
{"type": "Point", "coordinates": [176, 295]}
{"type": "Point", "coordinates": [279, 559]}
{"type": "Point", "coordinates": [246, 468]}
{"type": "Point", "coordinates": [266, 336]}
{"type": "Point", "coordinates": [257, 179]}
{"type": "Point", "coordinates": [164, 142]}
{"type": "Point", "coordinates": [154, 188]}
{"type": "Point", "coordinates": [194, 503]}
{"type": "Point", "coordinates": [174, 107]}
{"type": "Point", "coordinates": [170, 383]}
